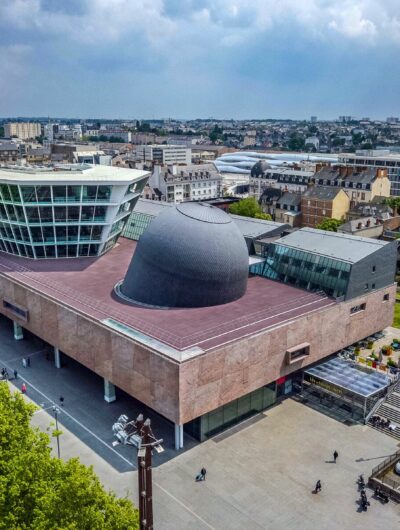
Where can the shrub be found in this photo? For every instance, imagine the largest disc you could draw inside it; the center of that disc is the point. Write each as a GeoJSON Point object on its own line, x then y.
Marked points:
{"type": "Point", "coordinates": [369, 345]}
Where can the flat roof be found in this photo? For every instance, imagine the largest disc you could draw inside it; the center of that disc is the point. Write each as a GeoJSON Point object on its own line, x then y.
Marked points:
{"type": "Point", "coordinates": [66, 173]}
{"type": "Point", "coordinates": [343, 247]}
{"type": "Point", "coordinates": [86, 285]}
{"type": "Point", "coordinates": [348, 376]}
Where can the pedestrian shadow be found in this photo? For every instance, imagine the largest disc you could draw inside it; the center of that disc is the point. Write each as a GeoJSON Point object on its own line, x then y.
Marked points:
{"type": "Point", "coordinates": [330, 462]}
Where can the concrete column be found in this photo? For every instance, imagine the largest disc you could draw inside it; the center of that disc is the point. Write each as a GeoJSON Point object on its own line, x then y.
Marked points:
{"type": "Point", "coordinates": [18, 331]}
{"type": "Point", "coordinates": [57, 357]}
{"type": "Point", "coordinates": [109, 391]}
{"type": "Point", "coordinates": [178, 437]}
{"type": "Point", "coordinates": [181, 436]}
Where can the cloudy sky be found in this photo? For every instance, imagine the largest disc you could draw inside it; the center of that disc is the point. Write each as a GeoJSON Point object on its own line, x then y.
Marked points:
{"type": "Point", "coordinates": [200, 58]}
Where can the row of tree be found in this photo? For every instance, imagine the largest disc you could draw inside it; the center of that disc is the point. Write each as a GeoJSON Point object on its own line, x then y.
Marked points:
{"type": "Point", "coordinates": [39, 492]}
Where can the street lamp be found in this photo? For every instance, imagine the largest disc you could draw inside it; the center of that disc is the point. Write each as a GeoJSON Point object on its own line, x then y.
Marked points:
{"type": "Point", "coordinates": [56, 411]}
{"type": "Point", "coordinates": [139, 434]}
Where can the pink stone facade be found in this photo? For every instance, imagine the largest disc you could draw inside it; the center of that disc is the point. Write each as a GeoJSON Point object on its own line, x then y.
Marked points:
{"type": "Point", "coordinates": [181, 391]}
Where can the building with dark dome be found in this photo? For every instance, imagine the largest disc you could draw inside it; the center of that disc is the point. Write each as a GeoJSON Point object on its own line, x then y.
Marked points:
{"type": "Point", "coordinates": [193, 255]}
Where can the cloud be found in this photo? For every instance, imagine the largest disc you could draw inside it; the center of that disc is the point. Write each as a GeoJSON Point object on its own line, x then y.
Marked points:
{"type": "Point", "coordinates": [188, 56]}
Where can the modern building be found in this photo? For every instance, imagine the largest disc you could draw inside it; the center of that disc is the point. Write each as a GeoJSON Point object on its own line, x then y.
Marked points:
{"type": "Point", "coordinates": [321, 202]}
{"type": "Point", "coordinates": [77, 153]}
{"type": "Point", "coordinates": [120, 134]}
{"type": "Point", "coordinates": [340, 265]}
{"type": "Point", "coordinates": [22, 130]}
{"type": "Point", "coordinates": [177, 184]}
{"type": "Point", "coordinates": [203, 367]}
{"type": "Point", "coordinates": [377, 158]}
{"type": "Point", "coordinates": [251, 229]}
{"type": "Point", "coordinates": [65, 211]}
{"type": "Point", "coordinates": [361, 184]}
{"type": "Point", "coordinates": [164, 154]}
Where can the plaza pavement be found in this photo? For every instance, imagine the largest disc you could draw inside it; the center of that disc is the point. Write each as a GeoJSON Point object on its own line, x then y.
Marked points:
{"type": "Point", "coordinates": [258, 477]}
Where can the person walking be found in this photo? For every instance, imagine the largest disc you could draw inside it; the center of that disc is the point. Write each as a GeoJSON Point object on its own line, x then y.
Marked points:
{"type": "Point", "coordinates": [203, 472]}
{"type": "Point", "coordinates": [23, 388]}
{"type": "Point", "coordinates": [28, 362]}
{"type": "Point", "coordinates": [318, 486]}
{"type": "Point", "coordinates": [62, 401]}
{"type": "Point", "coordinates": [335, 455]}
{"type": "Point", "coordinates": [15, 374]}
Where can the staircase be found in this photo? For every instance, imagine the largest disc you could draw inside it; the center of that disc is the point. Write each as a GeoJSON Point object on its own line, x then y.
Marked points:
{"type": "Point", "coordinates": [390, 409]}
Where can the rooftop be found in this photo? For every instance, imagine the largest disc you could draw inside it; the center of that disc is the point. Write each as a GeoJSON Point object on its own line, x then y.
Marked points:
{"type": "Point", "coordinates": [332, 244]}
{"type": "Point", "coordinates": [325, 193]}
{"type": "Point", "coordinates": [86, 286]}
{"type": "Point", "coordinates": [350, 377]}
{"type": "Point", "coordinates": [66, 173]}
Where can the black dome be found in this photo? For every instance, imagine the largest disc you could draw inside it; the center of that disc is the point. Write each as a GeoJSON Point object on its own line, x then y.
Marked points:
{"type": "Point", "coordinates": [190, 256]}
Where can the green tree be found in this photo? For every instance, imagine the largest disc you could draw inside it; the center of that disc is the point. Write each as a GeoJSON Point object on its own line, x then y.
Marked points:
{"type": "Point", "coordinates": [39, 492]}
{"type": "Point", "coordinates": [248, 208]}
{"type": "Point", "coordinates": [329, 224]}
{"type": "Point", "coordinates": [296, 142]}
{"type": "Point", "coordinates": [1, 132]}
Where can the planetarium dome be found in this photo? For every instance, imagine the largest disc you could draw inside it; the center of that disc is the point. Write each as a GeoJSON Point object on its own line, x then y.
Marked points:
{"type": "Point", "coordinates": [192, 255]}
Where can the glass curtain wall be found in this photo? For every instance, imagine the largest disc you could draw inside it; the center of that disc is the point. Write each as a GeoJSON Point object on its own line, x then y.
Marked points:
{"type": "Point", "coordinates": [53, 221]}
{"type": "Point", "coordinates": [305, 270]}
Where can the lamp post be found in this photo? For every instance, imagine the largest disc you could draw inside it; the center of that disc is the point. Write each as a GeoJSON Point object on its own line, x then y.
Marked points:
{"type": "Point", "coordinates": [56, 411]}
{"type": "Point", "coordinates": [139, 434]}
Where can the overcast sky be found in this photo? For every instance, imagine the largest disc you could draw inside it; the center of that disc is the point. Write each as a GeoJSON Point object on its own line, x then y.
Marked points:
{"type": "Point", "coordinates": [200, 58]}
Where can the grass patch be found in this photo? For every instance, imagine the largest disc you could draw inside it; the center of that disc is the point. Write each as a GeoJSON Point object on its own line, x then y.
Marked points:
{"type": "Point", "coordinates": [396, 316]}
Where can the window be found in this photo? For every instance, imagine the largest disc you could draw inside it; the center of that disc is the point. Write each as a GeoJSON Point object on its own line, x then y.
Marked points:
{"type": "Point", "coordinates": [386, 297]}
{"type": "Point", "coordinates": [357, 308]}
{"type": "Point", "coordinates": [373, 286]}
{"type": "Point", "coordinates": [366, 287]}
{"type": "Point", "coordinates": [297, 353]}
{"type": "Point", "coordinates": [16, 310]}
{"type": "Point", "coordinates": [373, 268]}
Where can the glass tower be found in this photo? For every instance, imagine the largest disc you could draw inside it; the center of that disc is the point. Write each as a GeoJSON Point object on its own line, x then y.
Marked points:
{"type": "Point", "coordinates": [72, 212]}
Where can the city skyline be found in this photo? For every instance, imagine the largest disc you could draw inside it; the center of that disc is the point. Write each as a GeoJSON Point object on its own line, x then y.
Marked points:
{"type": "Point", "coordinates": [199, 59]}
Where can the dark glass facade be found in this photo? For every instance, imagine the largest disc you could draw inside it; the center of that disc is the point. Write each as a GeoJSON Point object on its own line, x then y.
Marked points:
{"type": "Point", "coordinates": [232, 413]}
{"type": "Point", "coordinates": [304, 269]}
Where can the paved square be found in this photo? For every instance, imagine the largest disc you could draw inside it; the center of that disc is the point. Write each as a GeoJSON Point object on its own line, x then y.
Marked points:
{"type": "Point", "coordinates": [262, 476]}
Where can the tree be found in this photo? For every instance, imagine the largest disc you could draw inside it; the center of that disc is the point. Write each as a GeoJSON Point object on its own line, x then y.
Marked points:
{"type": "Point", "coordinates": [331, 225]}
{"type": "Point", "coordinates": [296, 143]}
{"type": "Point", "coordinates": [248, 208]}
{"type": "Point", "coordinates": [40, 492]}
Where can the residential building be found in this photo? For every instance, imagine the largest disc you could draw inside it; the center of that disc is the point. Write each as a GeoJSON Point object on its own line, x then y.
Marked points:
{"type": "Point", "coordinates": [321, 202]}
{"type": "Point", "coordinates": [37, 155]}
{"type": "Point", "coordinates": [285, 179]}
{"type": "Point", "coordinates": [186, 183]}
{"type": "Point", "coordinates": [362, 184]}
{"type": "Point", "coordinates": [204, 367]}
{"type": "Point", "coordinates": [65, 211]}
{"type": "Point", "coordinates": [164, 154]}
{"type": "Point", "coordinates": [312, 141]}
{"type": "Point", "coordinates": [378, 158]}
{"type": "Point", "coordinates": [363, 227]}
{"type": "Point", "coordinates": [22, 130]}
{"type": "Point", "coordinates": [288, 209]}
{"type": "Point", "coordinates": [9, 152]}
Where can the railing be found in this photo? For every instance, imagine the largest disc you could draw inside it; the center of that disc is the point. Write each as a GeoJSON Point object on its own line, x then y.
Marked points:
{"type": "Point", "coordinates": [390, 460]}
{"type": "Point", "coordinates": [374, 409]}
